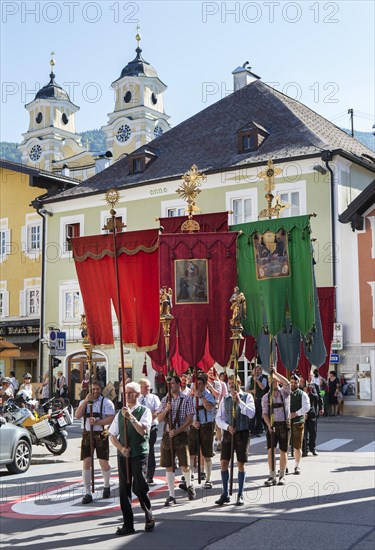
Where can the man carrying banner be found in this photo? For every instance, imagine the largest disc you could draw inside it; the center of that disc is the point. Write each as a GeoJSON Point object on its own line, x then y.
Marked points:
{"type": "Point", "coordinates": [279, 431]}
{"type": "Point", "coordinates": [299, 406]}
{"type": "Point", "coordinates": [103, 412]}
{"type": "Point", "coordinates": [139, 419]}
{"type": "Point", "coordinates": [152, 402]}
{"type": "Point", "coordinates": [243, 405]}
{"type": "Point", "coordinates": [204, 423]}
{"type": "Point", "coordinates": [182, 408]}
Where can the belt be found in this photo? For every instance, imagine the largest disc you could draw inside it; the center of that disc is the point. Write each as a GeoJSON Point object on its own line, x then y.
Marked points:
{"type": "Point", "coordinates": [279, 423]}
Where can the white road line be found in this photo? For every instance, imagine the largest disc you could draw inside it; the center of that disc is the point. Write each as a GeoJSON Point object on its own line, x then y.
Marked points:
{"type": "Point", "coordinates": [369, 448]}
{"type": "Point", "coordinates": [333, 444]}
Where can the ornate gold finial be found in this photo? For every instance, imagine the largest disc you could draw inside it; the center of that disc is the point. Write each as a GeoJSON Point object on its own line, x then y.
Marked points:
{"type": "Point", "coordinates": [188, 190]}
{"type": "Point", "coordinates": [52, 61]}
{"type": "Point", "coordinates": [138, 35]}
{"type": "Point", "coordinates": [112, 197]}
{"type": "Point", "coordinates": [269, 176]}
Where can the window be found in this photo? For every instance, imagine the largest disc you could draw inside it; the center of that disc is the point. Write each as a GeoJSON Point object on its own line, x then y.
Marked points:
{"type": "Point", "coordinates": [4, 239]}
{"type": "Point", "coordinates": [170, 209]}
{"type": "Point", "coordinates": [71, 310]}
{"type": "Point", "coordinates": [172, 212]}
{"type": "Point", "coordinates": [70, 227]}
{"type": "Point", "coordinates": [251, 137]}
{"type": "Point", "coordinates": [4, 300]}
{"type": "Point", "coordinates": [137, 165]}
{"type": "Point", "coordinates": [30, 301]}
{"type": "Point", "coordinates": [71, 230]}
{"type": "Point", "coordinates": [70, 303]}
{"type": "Point", "coordinates": [31, 235]}
{"type": "Point", "coordinates": [295, 196]}
{"type": "Point", "coordinates": [244, 205]}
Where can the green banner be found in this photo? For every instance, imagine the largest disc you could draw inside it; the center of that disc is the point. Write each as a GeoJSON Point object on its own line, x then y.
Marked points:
{"type": "Point", "coordinates": [274, 271]}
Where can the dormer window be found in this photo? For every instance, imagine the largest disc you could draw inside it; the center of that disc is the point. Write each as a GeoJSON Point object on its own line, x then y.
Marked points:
{"type": "Point", "coordinates": [139, 162]}
{"type": "Point", "coordinates": [250, 137]}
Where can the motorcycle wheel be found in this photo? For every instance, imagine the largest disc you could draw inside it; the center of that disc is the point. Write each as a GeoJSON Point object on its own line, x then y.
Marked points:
{"type": "Point", "coordinates": [58, 446]}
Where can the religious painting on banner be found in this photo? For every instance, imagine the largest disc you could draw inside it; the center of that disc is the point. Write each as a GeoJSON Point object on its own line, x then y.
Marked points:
{"type": "Point", "coordinates": [191, 281]}
{"type": "Point", "coordinates": [275, 272]}
{"type": "Point", "coordinates": [271, 254]}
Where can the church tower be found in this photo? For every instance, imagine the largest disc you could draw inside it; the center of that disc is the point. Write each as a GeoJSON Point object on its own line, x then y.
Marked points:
{"type": "Point", "coordinates": [51, 136]}
{"type": "Point", "coordinates": [138, 116]}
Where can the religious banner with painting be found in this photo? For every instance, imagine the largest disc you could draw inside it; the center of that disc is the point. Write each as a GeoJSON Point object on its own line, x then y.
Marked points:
{"type": "Point", "coordinates": [275, 273]}
{"type": "Point", "coordinates": [201, 268]}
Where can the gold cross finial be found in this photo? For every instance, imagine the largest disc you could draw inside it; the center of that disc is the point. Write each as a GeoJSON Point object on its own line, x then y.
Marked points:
{"type": "Point", "coordinates": [138, 35]}
{"type": "Point", "coordinates": [188, 191]}
{"type": "Point", "coordinates": [52, 61]}
{"type": "Point", "coordinates": [269, 177]}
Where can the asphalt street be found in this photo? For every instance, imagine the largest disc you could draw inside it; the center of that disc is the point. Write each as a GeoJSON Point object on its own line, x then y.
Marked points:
{"type": "Point", "coordinates": [329, 506]}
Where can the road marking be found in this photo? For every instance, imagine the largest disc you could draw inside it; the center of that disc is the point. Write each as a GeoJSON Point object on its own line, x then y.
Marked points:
{"type": "Point", "coordinates": [369, 448]}
{"type": "Point", "coordinates": [333, 444]}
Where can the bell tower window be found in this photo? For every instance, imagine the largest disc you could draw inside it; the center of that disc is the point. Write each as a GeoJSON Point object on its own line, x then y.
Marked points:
{"type": "Point", "coordinates": [154, 98]}
{"type": "Point", "coordinates": [64, 119]}
{"type": "Point", "coordinates": [39, 118]}
{"type": "Point", "coordinates": [127, 97]}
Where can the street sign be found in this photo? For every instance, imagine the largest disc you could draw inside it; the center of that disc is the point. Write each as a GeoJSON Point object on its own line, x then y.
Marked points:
{"type": "Point", "coordinates": [57, 342]}
{"type": "Point", "coordinates": [335, 358]}
{"type": "Point", "coordinates": [338, 337]}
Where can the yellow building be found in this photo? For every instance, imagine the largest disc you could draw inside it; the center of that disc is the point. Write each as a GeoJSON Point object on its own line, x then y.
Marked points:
{"type": "Point", "coordinates": [22, 232]}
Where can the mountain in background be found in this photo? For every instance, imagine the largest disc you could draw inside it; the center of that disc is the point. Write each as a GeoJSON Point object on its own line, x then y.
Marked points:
{"type": "Point", "coordinates": [94, 140]}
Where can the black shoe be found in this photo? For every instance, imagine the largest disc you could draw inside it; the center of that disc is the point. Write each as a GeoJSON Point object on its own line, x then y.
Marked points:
{"type": "Point", "coordinates": [183, 486]}
{"type": "Point", "coordinates": [297, 471]}
{"type": "Point", "coordinates": [240, 501]}
{"type": "Point", "coordinates": [170, 501]}
{"type": "Point", "coordinates": [123, 531]}
{"type": "Point", "coordinates": [191, 493]}
{"type": "Point", "coordinates": [314, 453]}
{"type": "Point", "coordinates": [106, 492]}
{"type": "Point", "coordinates": [150, 526]}
{"type": "Point", "coordinates": [87, 499]}
{"type": "Point", "coordinates": [270, 481]}
{"type": "Point", "coordinates": [224, 499]}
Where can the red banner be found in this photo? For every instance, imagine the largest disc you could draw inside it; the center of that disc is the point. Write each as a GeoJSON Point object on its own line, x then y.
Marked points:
{"type": "Point", "coordinates": [138, 271]}
{"type": "Point", "coordinates": [200, 268]}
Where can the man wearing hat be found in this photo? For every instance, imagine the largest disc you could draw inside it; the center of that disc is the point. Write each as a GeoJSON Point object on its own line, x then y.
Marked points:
{"type": "Point", "coordinates": [6, 391]}
{"type": "Point", "coordinates": [299, 407]}
{"type": "Point", "coordinates": [26, 388]}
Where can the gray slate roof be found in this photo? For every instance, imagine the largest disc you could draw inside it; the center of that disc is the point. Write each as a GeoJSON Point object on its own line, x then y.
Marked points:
{"type": "Point", "coordinates": [209, 140]}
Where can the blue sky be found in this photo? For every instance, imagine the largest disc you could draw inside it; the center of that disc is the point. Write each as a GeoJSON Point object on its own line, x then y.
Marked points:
{"type": "Point", "coordinates": [321, 53]}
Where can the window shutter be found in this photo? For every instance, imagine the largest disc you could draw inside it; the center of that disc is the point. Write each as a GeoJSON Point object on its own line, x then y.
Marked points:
{"type": "Point", "coordinates": [23, 303]}
{"type": "Point", "coordinates": [24, 241]}
{"type": "Point", "coordinates": [5, 294]}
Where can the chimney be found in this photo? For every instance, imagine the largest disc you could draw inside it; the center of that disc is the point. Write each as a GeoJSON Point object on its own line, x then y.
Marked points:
{"type": "Point", "coordinates": [103, 161]}
{"type": "Point", "coordinates": [242, 76]}
{"type": "Point", "coordinates": [65, 171]}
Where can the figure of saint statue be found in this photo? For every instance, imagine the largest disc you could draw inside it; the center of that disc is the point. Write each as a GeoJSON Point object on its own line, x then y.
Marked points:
{"type": "Point", "coordinates": [165, 301]}
{"type": "Point", "coordinates": [238, 307]}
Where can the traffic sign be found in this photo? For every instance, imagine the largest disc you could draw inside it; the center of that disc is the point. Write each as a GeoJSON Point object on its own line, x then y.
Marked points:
{"type": "Point", "coordinates": [57, 342]}
{"type": "Point", "coordinates": [335, 358]}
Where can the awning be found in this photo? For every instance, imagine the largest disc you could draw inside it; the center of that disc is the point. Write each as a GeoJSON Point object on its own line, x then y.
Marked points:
{"type": "Point", "coordinates": [8, 349]}
{"type": "Point", "coordinates": [22, 339]}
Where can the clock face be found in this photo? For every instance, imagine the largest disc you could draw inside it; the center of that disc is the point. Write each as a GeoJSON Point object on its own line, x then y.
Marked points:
{"type": "Point", "coordinates": [154, 98]}
{"type": "Point", "coordinates": [35, 153]}
{"type": "Point", "coordinates": [39, 118]}
{"type": "Point", "coordinates": [158, 131]}
{"type": "Point", "coordinates": [123, 133]}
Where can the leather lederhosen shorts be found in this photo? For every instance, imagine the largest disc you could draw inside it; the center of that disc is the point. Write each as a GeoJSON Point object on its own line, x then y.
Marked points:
{"type": "Point", "coordinates": [206, 439]}
{"type": "Point", "coordinates": [100, 444]}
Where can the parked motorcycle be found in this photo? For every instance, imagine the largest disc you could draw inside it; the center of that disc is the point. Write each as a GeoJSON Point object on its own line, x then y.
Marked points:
{"type": "Point", "coordinates": [47, 431]}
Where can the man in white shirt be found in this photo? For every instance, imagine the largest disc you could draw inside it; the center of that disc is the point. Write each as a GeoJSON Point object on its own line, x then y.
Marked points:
{"type": "Point", "coordinates": [152, 402]}
{"type": "Point", "coordinates": [134, 455]}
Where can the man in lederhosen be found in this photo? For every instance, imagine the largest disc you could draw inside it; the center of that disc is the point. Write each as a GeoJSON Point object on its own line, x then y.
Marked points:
{"type": "Point", "coordinates": [244, 409]}
{"type": "Point", "coordinates": [183, 410]}
{"type": "Point", "coordinates": [204, 421]}
{"type": "Point", "coordinates": [279, 432]}
{"type": "Point", "coordinates": [103, 412]}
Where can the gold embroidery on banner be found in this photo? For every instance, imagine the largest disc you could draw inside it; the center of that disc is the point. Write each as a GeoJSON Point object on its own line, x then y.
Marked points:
{"type": "Point", "coordinates": [122, 250]}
